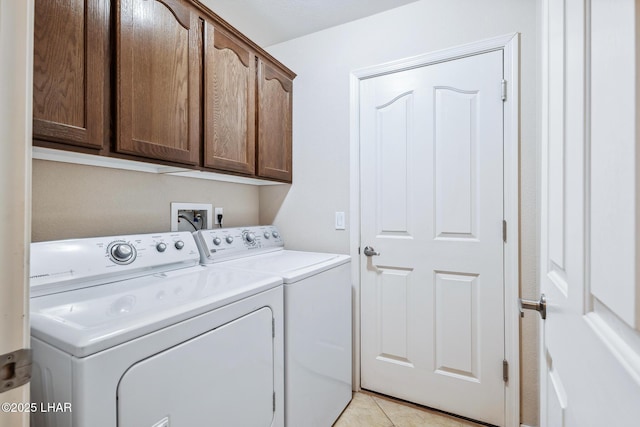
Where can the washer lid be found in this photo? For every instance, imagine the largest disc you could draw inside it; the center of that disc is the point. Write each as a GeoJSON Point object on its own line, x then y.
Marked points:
{"type": "Point", "coordinates": [84, 321]}
{"type": "Point", "coordinates": [291, 265]}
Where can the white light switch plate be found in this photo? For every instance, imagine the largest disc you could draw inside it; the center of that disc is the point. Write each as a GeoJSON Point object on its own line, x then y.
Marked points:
{"type": "Point", "coordinates": [340, 221]}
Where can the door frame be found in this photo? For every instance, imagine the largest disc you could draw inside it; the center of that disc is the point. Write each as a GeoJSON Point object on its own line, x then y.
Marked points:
{"type": "Point", "coordinates": [509, 44]}
{"type": "Point", "coordinates": [16, 83]}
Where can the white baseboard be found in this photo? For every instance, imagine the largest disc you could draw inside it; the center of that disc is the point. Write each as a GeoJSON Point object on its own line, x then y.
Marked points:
{"type": "Point", "coordinates": [524, 425]}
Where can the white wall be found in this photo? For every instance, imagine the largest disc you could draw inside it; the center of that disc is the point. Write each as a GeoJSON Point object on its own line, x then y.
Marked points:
{"type": "Point", "coordinates": [16, 47]}
{"type": "Point", "coordinates": [323, 62]}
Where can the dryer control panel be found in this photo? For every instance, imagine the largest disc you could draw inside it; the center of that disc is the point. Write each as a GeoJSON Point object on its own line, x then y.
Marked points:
{"type": "Point", "coordinates": [230, 243]}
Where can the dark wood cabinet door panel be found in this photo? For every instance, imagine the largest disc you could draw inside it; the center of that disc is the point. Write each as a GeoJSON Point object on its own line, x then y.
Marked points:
{"type": "Point", "coordinates": [275, 93]}
{"type": "Point", "coordinates": [229, 103]}
{"type": "Point", "coordinates": [70, 71]}
{"type": "Point", "coordinates": [159, 45]}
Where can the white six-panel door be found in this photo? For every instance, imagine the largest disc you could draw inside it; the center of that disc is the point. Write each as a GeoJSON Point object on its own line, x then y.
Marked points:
{"type": "Point", "coordinates": [589, 260]}
{"type": "Point", "coordinates": [432, 319]}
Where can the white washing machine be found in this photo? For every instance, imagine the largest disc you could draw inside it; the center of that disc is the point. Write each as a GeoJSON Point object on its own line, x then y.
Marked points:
{"type": "Point", "coordinates": [317, 316]}
{"type": "Point", "coordinates": [132, 332]}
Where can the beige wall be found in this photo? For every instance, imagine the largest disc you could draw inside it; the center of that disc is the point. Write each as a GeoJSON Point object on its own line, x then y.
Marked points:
{"type": "Point", "coordinates": [72, 201]}
{"type": "Point", "coordinates": [323, 62]}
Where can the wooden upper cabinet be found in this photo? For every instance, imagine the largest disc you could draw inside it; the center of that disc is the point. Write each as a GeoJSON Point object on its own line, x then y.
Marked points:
{"type": "Point", "coordinates": [70, 72]}
{"type": "Point", "coordinates": [229, 103]}
{"type": "Point", "coordinates": [159, 63]}
{"type": "Point", "coordinates": [275, 93]}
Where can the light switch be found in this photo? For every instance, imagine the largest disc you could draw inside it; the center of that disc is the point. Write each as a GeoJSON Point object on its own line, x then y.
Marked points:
{"type": "Point", "coordinates": [340, 221]}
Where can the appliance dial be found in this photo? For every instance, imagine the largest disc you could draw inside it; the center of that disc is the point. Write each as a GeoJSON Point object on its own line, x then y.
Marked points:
{"type": "Point", "coordinates": [161, 247]}
{"type": "Point", "coordinates": [275, 234]}
{"type": "Point", "coordinates": [122, 253]}
{"type": "Point", "coordinates": [217, 241]}
{"type": "Point", "coordinates": [229, 239]}
{"type": "Point", "coordinates": [179, 244]}
{"type": "Point", "coordinates": [250, 237]}
{"type": "Point", "coordinates": [267, 234]}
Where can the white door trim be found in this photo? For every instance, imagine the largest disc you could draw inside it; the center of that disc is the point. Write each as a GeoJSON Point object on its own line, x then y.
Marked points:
{"type": "Point", "coordinates": [16, 87]}
{"type": "Point", "coordinates": [510, 45]}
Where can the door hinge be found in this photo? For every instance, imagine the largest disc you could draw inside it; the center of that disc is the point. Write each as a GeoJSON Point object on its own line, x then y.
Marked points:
{"type": "Point", "coordinates": [504, 231]}
{"type": "Point", "coordinates": [15, 369]}
{"type": "Point", "coordinates": [273, 327]}
{"type": "Point", "coordinates": [504, 89]}
{"type": "Point", "coordinates": [274, 401]}
{"type": "Point", "coordinates": [505, 371]}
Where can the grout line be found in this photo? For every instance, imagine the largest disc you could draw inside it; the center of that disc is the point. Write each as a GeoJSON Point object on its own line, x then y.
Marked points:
{"type": "Point", "coordinates": [382, 409]}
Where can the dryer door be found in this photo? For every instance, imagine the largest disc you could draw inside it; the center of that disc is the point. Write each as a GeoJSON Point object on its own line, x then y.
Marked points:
{"type": "Point", "coordinates": [221, 378]}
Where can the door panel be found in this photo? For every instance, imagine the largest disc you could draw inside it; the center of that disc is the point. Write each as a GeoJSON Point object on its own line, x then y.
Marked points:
{"type": "Point", "coordinates": [393, 313]}
{"type": "Point", "coordinates": [456, 310]}
{"type": "Point", "coordinates": [590, 346]}
{"type": "Point", "coordinates": [431, 197]}
{"type": "Point", "coordinates": [454, 162]}
{"type": "Point", "coordinates": [394, 129]}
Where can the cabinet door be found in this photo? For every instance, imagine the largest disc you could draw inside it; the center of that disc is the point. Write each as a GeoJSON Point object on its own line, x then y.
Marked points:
{"type": "Point", "coordinates": [275, 92]}
{"type": "Point", "coordinates": [69, 71]}
{"type": "Point", "coordinates": [229, 103]}
{"type": "Point", "coordinates": [159, 45]}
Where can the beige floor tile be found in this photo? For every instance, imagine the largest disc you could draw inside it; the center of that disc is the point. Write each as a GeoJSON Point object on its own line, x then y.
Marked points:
{"type": "Point", "coordinates": [363, 412]}
{"type": "Point", "coordinates": [371, 410]}
{"type": "Point", "coordinates": [406, 416]}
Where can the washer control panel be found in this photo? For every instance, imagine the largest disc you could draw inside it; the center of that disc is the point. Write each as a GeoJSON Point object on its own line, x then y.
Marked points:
{"type": "Point", "coordinates": [87, 262]}
{"type": "Point", "coordinates": [228, 243]}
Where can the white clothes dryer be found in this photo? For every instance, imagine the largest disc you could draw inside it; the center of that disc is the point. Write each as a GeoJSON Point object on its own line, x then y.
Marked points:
{"type": "Point", "coordinates": [132, 332]}
{"type": "Point", "coordinates": [317, 316]}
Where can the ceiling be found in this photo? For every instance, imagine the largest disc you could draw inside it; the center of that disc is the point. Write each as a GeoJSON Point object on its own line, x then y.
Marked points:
{"type": "Point", "coordinates": [268, 22]}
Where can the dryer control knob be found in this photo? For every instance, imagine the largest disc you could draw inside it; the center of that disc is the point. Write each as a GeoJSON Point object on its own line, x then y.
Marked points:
{"type": "Point", "coordinates": [267, 234]}
{"type": "Point", "coordinates": [275, 234]}
{"type": "Point", "coordinates": [179, 244]}
{"type": "Point", "coordinates": [217, 241]}
{"type": "Point", "coordinates": [250, 237]}
{"type": "Point", "coordinates": [161, 247]}
{"type": "Point", "coordinates": [122, 252]}
{"type": "Point", "coordinates": [229, 239]}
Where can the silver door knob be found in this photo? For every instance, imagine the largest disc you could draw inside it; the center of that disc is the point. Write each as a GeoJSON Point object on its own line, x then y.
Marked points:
{"type": "Point", "coordinates": [369, 251]}
{"type": "Point", "coordinates": [539, 306]}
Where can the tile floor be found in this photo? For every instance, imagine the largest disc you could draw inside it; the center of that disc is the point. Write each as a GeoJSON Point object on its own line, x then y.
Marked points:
{"type": "Point", "coordinates": [372, 410]}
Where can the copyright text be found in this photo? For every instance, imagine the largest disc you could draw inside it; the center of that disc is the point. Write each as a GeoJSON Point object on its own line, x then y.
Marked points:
{"type": "Point", "coordinates": [36, 407]}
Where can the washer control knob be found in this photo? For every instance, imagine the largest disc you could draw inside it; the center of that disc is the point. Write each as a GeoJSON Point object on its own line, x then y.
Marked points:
{"type": "Point", "coordinates": [250, 237]}
{"type": "Point", "coordinates": [179, 244]}
{"type": "Point", "coordinates": [161, 247]}
{"type": "Point", "coordinates": [229, 239]}
{"type": "Point", "coordinates": [275, 234]}
{"type": "Point", "coordinates": [122, 252]}
{"type": "Point", "coordinates": [217, 241]}
{"type": "Point", "coordinates": [267, 234]}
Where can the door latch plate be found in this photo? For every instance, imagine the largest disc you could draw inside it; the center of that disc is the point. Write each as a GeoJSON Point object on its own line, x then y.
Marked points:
{"type": "Point", "coordinates": [15, 369]}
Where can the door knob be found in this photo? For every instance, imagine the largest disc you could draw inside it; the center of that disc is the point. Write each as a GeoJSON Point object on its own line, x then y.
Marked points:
{"type": "Point", "coordinates": [539, 306]}
{"type": "Point", "coordinates": [369, 251]}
